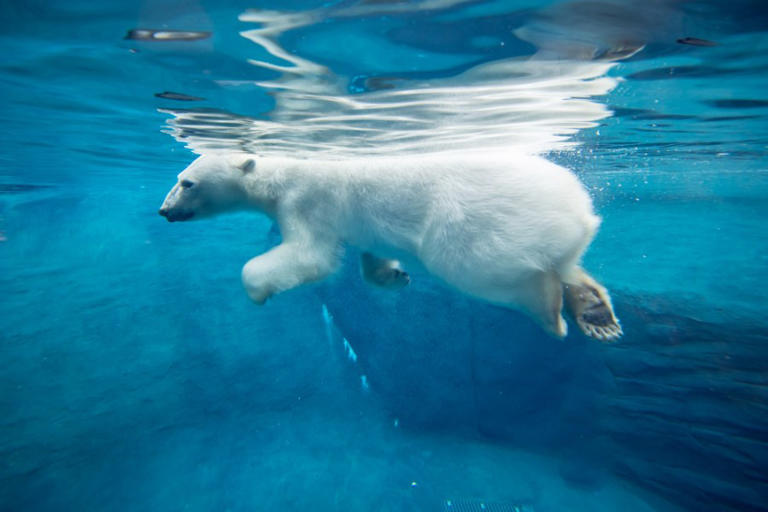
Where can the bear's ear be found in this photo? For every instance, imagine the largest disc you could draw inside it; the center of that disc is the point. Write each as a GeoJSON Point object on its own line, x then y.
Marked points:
{"type": "Point", "coordinates": [248, 166]}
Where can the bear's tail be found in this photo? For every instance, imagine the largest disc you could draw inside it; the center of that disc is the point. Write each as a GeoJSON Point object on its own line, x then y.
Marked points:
{"type": "Point", "coordinates": [592, 223]}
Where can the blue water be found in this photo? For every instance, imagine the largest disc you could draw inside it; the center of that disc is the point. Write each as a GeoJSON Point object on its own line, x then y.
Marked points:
{"type": "Point", "coordinates": [136, 375]}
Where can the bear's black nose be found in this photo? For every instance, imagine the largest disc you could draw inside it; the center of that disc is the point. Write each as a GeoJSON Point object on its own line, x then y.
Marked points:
{"type": "Point", "coordinates": [163, 212]}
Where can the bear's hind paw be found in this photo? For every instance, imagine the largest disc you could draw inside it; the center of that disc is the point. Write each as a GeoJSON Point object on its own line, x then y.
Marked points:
{"type": "Point", "coordinates": [609, 332]}
{"type": "Point", "coordinates": [589, 304]}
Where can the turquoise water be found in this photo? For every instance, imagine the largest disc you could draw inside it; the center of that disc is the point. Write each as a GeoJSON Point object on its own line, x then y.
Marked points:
{"type": "Point", "coordinates": [136, 375]}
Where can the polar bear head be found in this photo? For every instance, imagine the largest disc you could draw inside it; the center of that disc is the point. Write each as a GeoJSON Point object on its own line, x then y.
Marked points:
{"type": "Point", "coordinates": [211, 185]}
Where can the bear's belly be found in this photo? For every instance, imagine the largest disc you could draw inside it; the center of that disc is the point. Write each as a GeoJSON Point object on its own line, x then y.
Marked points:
{"type": "Point", "coordinates": [505, 244]}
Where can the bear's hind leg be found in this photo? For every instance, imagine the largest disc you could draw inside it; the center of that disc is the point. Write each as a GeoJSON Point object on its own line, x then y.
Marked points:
{"type": "Point", "coordinates": [383, 272]}
{"type": "Point", "coordinates": [543, 301]}
{"type": "Point", "coordinates": [590, 305]}
{"type": "Point", "coordinates": [287, 266]}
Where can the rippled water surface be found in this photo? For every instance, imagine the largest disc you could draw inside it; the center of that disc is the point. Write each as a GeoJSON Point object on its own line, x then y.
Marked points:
{"type": "Point", "coordinates": [136, 375]}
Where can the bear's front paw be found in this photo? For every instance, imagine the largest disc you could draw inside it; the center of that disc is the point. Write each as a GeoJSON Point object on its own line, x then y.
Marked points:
{"type": "Point", "coordinates": [399, 278]}
{"type": "Point", "coordinates": [391, 278]}
{"type": "Point", "coordinates": [258, 294]}
{"type": "Point", "coordinates": [383, 272]}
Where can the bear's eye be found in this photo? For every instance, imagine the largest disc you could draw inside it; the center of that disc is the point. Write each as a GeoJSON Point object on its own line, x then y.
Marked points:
{"type": "Point", "coordinates": [187, 184]}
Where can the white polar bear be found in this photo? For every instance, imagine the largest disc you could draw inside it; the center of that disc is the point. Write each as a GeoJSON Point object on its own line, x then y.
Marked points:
{"type": "Point", "coordinates": [508, 229]}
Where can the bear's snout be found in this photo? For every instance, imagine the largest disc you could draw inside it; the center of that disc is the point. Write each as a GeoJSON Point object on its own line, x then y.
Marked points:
{"type": "Point", "coordinates": [173, 216]}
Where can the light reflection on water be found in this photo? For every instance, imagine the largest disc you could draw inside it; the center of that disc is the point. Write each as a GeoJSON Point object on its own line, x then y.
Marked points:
{"type": "Point", "coordinates": [531, 104]}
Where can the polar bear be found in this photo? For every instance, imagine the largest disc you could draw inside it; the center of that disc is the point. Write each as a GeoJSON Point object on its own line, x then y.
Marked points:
{"type": "Point", "coordinates": [507, 229]}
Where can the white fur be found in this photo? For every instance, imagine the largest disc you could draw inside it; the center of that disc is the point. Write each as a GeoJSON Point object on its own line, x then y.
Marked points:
{"type": "Point", "coordinates": [509, 229]}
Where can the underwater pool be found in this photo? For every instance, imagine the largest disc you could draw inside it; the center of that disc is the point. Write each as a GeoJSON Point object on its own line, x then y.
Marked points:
{"type": "Point", "coordinates": [135, 374]}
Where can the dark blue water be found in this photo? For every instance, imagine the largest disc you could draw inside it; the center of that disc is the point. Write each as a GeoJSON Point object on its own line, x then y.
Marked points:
{"type": "Point", "coordinates": [136, 375]}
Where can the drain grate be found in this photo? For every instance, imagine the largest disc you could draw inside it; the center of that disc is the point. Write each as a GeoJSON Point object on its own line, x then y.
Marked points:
{"type": "Point", "coordinates": [484, 506]}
